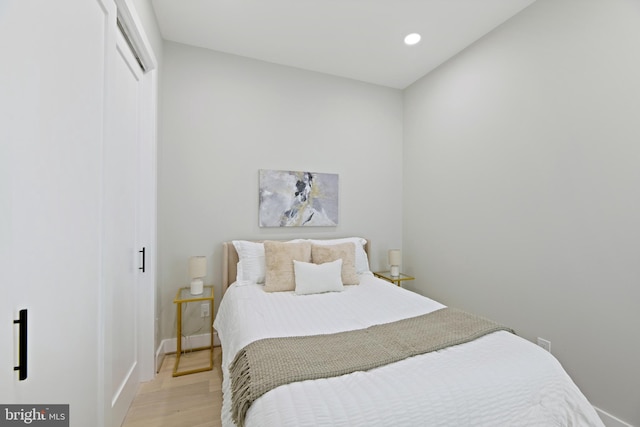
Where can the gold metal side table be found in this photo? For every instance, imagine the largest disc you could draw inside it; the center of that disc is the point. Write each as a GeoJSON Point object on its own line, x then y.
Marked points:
{"type": "Point", "coordinates": [397, 280]}
{"type": "Point", "coordinates": [184, 297]}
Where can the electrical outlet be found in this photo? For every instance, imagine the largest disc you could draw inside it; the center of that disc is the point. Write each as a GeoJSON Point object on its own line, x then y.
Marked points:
{"type": "Point", "coordinates": [204, 310]}
{"type": "Point", "coordinates": [546, 344]}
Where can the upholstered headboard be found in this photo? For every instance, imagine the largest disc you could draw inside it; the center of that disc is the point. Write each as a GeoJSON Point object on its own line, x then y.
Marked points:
{"type": "Point", "coordinates": [230, 263]}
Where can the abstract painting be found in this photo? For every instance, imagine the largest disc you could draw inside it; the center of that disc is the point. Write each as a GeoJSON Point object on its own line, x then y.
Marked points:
{"type": "Point", "coordinates": [298, 199]}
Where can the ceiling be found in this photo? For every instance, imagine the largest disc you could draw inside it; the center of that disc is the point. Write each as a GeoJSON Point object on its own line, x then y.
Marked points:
{"type": "Point", "coordinates": [357, 39]}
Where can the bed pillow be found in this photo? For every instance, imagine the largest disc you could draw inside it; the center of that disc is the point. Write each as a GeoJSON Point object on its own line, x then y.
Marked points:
{"type": "Point", "coordinates": [362, 262]}
{"type": "Point", "coordinates": [251, 256]}
{"type": "Point", "coordinates": [318, 278]}
{"type": "Point", "coordinates": [279, 257]}
{"type": "Point", "coordinates": [321, 254]}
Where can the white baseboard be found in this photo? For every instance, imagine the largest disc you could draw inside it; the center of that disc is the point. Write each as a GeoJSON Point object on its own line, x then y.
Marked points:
{"type": "Point", "coordinates": [159, 357]}
{"type": "Point", "coordinates": [170, 345]}
{"type": "Point", "coordinates": [609, 420]}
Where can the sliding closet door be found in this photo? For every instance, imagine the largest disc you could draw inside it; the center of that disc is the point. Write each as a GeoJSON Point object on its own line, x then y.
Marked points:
{"type": "Point", "coordinates": [71, 131]}
{"type": "Point", "coordinates": [52, 112]}
{"type": "Point", "coordinates": [122, 256]}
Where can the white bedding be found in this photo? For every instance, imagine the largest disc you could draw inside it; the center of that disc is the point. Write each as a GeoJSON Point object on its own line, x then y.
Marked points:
{"type": "Point", "coordinates": [497, 380]}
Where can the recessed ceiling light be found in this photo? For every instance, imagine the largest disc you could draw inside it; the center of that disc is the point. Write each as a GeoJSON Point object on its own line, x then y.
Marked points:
{"type": "Point", "coordinates": [411, 39]}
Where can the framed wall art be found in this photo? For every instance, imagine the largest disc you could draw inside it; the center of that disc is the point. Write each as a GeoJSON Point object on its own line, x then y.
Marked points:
{"type": "Point", "coordinates": [298, 199]}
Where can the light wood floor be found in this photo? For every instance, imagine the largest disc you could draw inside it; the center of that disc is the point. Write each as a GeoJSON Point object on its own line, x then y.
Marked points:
{"type": "Point", "coordinates": [193, 400]}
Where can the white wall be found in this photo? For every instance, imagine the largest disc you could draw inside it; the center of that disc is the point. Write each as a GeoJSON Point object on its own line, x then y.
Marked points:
{"type": "Point", "coordinates": [522, 185]}
{"type": "Point", "coordinates": [225, 117]}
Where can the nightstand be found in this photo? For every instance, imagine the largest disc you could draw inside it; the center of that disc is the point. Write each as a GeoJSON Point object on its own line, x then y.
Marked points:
{"type": "Point", "coordinates": [386, 275]}
{"type": "Point", "coordinates": [184, 297]}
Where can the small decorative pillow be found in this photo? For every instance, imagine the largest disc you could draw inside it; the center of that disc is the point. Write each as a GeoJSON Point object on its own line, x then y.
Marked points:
{"type": "Point", "coordinates": [251, 256]}
{"type": "Point", "coordinates": [279, 257]}
{"type": "Point", "coordinates": [362, 261]}
{"type": "Point", "coordinates": [344, 251]}
{"type": "Point", "coordinates": [318, 278]}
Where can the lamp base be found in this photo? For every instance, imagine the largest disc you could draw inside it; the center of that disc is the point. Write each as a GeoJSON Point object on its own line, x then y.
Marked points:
{"type": "Point", "coordinates": [395, 270]}
{"type": "Point", "coordinates": [197, 287]}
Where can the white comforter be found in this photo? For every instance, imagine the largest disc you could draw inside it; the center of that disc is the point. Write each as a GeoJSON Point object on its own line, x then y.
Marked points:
{"type": "Point", "coordinates": [497, 380]}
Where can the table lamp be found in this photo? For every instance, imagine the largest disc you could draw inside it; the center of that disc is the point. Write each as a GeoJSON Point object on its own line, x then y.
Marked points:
{"type": "Point", "coordinates": [394, 262]}
{"type": "Point", "coordinates": [197, 272]}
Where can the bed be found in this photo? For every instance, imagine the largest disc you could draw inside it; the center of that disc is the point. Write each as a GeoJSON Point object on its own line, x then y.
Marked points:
{"type": "Point", "coordinates": [496, 379]}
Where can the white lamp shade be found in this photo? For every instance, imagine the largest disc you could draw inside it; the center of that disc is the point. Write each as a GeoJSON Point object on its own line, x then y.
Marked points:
{"type": "Point", "coordinates": [394, 257]}
{"type": "Point", "coordinates": [197, 267]}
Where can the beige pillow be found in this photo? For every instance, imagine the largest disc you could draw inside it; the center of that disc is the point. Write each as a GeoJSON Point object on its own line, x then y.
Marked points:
{"type": "Point", "coordinates": [344, 251]}
{"type": "Point", "coordinates": [279, 257]}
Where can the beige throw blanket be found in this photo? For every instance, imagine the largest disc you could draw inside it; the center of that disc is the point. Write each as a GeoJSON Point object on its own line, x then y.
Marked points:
{"type": "Point", "coordinates": [272, 362]}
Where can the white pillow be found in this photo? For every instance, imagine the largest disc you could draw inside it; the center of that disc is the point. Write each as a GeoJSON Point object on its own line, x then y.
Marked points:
{"type": "Point", "coordinates": [362, 262]}
{"type": "Point", "coordinates": [317, 278]}
{"type": "Point", "coordinates": [251, 256]}
{"type": "Point", "coordinates": [252, 265]}
{"type": "Point", "coordinates": [239, 278]}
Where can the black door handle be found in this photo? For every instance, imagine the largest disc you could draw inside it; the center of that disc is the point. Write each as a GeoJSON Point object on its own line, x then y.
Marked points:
{"type": "Point", "coordinates": [22, 343]}
{"type": "Point", "coordinates": [143, 257]}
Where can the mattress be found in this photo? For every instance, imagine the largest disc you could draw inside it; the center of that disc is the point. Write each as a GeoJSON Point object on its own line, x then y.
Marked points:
{"type": "Point", "coordinates": [497, 380]}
